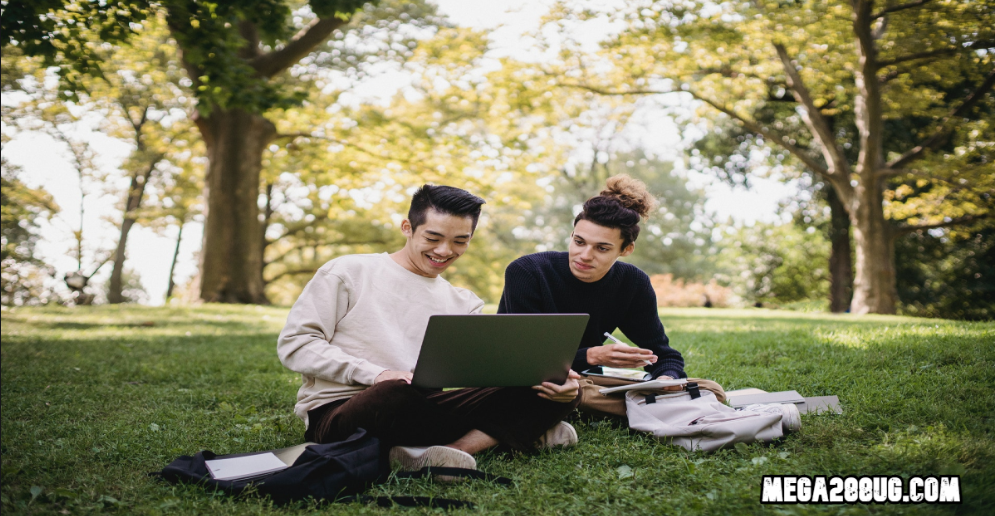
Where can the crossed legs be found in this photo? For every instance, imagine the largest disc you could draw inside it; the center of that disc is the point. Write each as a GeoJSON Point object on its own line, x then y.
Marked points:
{"type": "Point", "coordinates": [470, 420]}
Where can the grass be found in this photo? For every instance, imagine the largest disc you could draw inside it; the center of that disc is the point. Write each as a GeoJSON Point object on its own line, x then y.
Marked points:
{"type": "Point", "coordinates": [93, 398]}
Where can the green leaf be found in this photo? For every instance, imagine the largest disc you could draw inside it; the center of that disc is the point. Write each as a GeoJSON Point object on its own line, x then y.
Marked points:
{"type": "Point", "coordinates": [36, 491]}
{"type": "Point", "coordinates": [62, 492]}
{"type": "Point", "coordinates": [108, 500]}
{"type": "Point", "coordinates": [624, 471]}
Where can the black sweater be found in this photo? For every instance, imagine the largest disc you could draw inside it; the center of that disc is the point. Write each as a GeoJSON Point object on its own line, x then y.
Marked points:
{"type": "Point", "coordinates": [624, 299]}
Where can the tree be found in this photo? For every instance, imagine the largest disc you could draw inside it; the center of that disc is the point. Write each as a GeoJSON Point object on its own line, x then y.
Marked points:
{"type": "Point", "coordinates": [775, 264]}
{"type": "Point", "coordinates": [141, 101]}
{"type": "Point", "coordinates": [341, 179]}
{"type": "Point", "coordinates": [64, 126]}
{"type": "Point", "coordinates": [21, 272]}
{"type": "Point", "coordinates": [948, 274]}
{"type": "Point", "coordinates": [920, 69]}
{"type": "Point", "coordinates": [235, 55]}
{"type": "Point", "coordinates": [734, 154]}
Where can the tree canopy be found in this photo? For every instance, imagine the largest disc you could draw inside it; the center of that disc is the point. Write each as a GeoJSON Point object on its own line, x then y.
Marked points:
{"type": "Point", "coordinates": [889, 103]}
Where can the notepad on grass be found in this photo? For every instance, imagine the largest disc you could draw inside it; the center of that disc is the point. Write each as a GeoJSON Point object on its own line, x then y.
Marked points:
{"type": "Point", "coordinates": [247, 467]}
{"type": "Point", "coordinates": [766, 397]}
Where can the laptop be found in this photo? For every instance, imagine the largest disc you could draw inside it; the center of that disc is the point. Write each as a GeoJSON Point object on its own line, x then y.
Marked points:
{"type": "Point", "coordinates": [502, 350]}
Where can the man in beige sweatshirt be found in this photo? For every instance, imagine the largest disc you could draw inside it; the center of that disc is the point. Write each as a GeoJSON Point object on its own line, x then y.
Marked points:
{"type": "Point", "coordinates": [355, 332]}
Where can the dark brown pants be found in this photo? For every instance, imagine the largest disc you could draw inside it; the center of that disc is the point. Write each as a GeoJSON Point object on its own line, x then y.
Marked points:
{"type": "Point", "coordinates": [401, 415]}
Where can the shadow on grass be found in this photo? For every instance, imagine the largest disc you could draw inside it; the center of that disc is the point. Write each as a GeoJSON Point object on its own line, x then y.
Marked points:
{"type": "Point", "coordinates": [150, 325]}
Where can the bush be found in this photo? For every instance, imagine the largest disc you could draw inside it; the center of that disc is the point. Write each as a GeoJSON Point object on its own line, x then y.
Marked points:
{"type": "Point", "coordinates": [776, 264]}
{"type": "Point", "coordinates": [670, 292]}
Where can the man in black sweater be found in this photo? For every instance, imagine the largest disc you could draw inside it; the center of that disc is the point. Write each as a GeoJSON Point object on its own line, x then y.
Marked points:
{"type": "Point", "coordinates": [589, 279]}
{"type": "Point", "coordinates": [623, 299]}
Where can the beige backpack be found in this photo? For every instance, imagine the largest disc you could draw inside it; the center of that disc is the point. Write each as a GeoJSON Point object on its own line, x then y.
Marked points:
{"type": "Point", "coordinates": [593, 402]}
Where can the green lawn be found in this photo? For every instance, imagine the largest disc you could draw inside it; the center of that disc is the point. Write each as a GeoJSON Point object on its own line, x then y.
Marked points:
{"type": "Point", "coordinates": [94, 398]}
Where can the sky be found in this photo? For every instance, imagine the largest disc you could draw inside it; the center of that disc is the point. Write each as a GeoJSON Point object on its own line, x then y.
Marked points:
{"type": "Point", "coordinates": [45, 163]}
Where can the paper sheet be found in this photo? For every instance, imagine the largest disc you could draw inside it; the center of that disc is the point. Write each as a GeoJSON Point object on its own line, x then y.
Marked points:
{"type": "Point", "coordinates": [250, 466]}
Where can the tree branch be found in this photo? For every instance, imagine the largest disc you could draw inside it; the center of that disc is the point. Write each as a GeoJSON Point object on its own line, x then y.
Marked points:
{"type": "Point", "coordinates": [314, 245]}
{"type": "Point", "coordinates": [938, 136]}
{"type": "Point", "coordinates": [107, 258]}
{"type": "Point", "coordinates": [749, 124]}
{"type": "Point", "coordinates": [272, 63]}
{"type": "Point", "coordinates": [769, 135]}
{"type": "Point", "coordinates": [899, 7]}
{"type": "Point", "coordinates": [345, 144]}
{"type": "Point", "coordinates": [935, 53]}
{"type": "Point", "coordinates": [967, 219]}
{"type": "Point", "coordinates": [818, 125]}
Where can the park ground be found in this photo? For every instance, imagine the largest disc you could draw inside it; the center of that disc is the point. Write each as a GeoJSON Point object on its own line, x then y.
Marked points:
{"type": "Point", "coordinates": [95, 398]}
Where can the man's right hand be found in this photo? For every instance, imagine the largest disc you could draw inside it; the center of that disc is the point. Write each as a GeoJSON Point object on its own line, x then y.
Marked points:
{"type": "Point", "coordinates": [389, 375]}
{"type": "Point", "coordinates": [619, 355]}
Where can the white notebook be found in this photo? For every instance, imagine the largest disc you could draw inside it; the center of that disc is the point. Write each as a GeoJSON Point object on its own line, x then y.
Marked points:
{"type": "Point", "coordinates": [245, 468]}
{"type": "Point", "coordinates": [650, 385]}
{"type": "Point", "coordinates": [767, 397]}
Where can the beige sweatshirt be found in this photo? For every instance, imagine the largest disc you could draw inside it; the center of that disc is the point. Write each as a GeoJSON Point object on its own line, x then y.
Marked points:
{"type": "Point", "coordinates": [359, 316]}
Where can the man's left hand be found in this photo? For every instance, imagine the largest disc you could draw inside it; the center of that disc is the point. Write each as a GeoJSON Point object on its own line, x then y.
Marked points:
{"type": "Point", "coordinates": [560, 393]}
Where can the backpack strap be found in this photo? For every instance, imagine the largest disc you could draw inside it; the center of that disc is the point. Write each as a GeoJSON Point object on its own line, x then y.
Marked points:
{"type": "Point", "coordinates": [455, 472]}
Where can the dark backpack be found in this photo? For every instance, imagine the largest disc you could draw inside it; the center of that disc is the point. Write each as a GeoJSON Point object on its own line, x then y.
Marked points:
{"type": "Point", "coordinates": [332, 472]}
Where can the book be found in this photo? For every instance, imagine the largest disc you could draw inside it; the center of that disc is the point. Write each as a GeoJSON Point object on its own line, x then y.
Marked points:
{"type": "Point", "coordinates": [659, 383]}
{"type": "Point", "coordinates": [290, 454]}
{"type": "Point", "coordinates": [820, 404]}
{"type": "Point", "coordinates": [247, 467]}
{"type": "Point", "coordinates": [767, 397]}
{"type": "Point", "coordinates": [632, 375]}
{"type": "Point", "coordinates": [743, 392]}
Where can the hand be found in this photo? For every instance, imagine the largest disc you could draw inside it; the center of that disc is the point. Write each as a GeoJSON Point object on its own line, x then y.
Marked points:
{"type": "Point", "coordinates": [560, 393]}
{"type": "Point", "coordinates": [672, 387]}
{"type": "Point", "coordinates": [389, 375]}
{"type": "Point", "coordinates": [619, 355]}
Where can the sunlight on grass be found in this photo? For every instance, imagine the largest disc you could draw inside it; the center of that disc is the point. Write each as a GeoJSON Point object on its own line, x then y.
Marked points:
{"type": "Point", "coordinates": [93, 398]}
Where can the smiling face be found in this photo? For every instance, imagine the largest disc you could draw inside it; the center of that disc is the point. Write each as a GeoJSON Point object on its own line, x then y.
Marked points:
{"type": "Point", "coordinates": [594, 249]}
{"type": "Point", "coordinates": [435, 244]}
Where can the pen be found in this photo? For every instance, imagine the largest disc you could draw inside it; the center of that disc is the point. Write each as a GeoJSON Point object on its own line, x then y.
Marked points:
{"type": "Point", "coordinates": [616, 341]}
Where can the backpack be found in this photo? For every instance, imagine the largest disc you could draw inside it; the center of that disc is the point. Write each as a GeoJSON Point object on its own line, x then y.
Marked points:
{"type": "Point", "coordinates": [332, 472]}
{"type": "Point", "coordinates": [595, 403]}
{"type": "Point", "coordinates": [697, 422]}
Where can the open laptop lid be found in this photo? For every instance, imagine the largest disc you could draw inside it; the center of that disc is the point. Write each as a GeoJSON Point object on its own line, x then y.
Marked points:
{"type": "Point", "coordinates": [502, 350]}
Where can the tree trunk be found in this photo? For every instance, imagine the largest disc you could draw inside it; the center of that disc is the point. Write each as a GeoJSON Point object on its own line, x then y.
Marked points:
{"type": "Point", "coordinates": [172, 266]}
{"type": "Point", "coordinates": [136, 190]}
{"type": "Point", "coordinates": [115, 293]}
{"type": "Point", "coordinates": [841, 256]}
{"type": "Point", "coordinates": [874, 288]}
{"type": "Point", "coordinates": [231, 259]}
{"type": "Point", "coordinates": [267, 216]}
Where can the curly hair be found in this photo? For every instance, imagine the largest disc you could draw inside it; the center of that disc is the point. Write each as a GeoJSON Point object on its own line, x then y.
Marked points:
{"type": "Point", "coordinates": [624, 201]}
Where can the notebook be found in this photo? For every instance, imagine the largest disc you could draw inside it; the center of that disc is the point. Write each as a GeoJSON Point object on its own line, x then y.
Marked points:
{"type": "Point", "coordinates": [766, 397]}
{"type": "Point", "coordinates": [659, 383]}
{"type": "Point", "coordinates": [247, 467]}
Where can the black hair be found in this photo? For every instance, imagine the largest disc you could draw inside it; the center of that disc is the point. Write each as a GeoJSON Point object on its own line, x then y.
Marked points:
{"type": "Point", "coordinates": [619, 206]}
{"type": "Point", "coordinates": [447, 200]}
